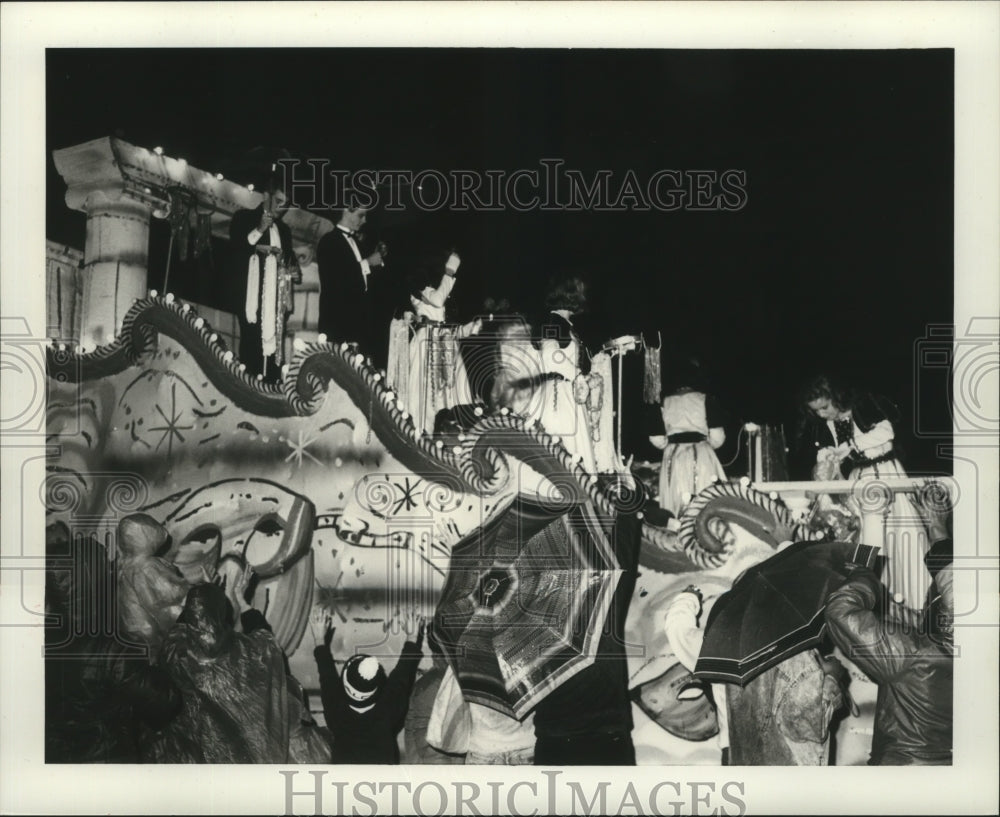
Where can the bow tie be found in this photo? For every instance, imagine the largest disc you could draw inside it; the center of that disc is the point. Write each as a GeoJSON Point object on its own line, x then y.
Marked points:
{"type": "Point", "coordinates": [348, 233]}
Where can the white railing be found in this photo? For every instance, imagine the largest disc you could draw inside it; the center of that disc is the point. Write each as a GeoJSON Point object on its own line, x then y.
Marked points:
{"type": "Point", "coordinates": [874, 497]}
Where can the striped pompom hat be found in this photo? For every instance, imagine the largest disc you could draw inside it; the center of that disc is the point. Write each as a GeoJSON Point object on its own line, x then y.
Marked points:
{"type": "Point", "coordinates": [363, 678]}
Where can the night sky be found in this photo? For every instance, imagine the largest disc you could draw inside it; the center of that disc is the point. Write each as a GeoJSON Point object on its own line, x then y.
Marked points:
{"type": "Point", "coordinates": [839, 260]}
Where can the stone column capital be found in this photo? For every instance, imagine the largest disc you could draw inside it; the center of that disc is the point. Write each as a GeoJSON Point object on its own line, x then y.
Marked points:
{"type": "Point", "coordinates": [90, 172]}
{"type": "Point", "coordinates": [96, 177]}
{"type": "Point", "coordinates": [108, 169]}
{"type": "Point", "coordinates": [119, 186]}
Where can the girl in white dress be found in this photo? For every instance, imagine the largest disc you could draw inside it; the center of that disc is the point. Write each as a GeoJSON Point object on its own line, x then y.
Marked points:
{"type": "Point", "coordinates": [561, 398]}
{"type": "Point", "coordinates": [693, 431]}
{"type": "Point", "coordinates": [855, 430]}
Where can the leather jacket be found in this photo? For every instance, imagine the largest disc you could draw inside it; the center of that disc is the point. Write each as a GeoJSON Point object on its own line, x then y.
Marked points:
{"type": "Point", "coordinates": [914, 671]}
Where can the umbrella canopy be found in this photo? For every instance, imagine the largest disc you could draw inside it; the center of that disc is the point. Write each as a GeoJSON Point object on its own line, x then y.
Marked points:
{"type": "Point", "coordinates": [524, 603]}
{"type": "Point", "coordinates": [774, 610]}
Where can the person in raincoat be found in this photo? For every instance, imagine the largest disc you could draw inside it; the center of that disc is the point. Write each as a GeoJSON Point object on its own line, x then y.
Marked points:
{"type": "Point", "coordinates": [151, 590]}
{"type": "Point", "coordinates": [913, 666]}
{"type": "Point", "coordinates": [238, 703]}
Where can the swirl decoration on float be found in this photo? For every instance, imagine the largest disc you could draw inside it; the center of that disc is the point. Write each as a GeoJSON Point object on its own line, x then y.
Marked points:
{"type": "Point", "coordinates": [765, 517]}
{"type": "Point", "coordinates": [477, 464]}
{"type": "Point", "coordinates": [500, 435]}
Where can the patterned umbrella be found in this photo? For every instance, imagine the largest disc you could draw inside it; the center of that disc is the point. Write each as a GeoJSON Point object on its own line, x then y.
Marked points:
{"type": "Point", "coordinates": [524, 603]}
{"type": "Point", "coordinates": [775, 610]}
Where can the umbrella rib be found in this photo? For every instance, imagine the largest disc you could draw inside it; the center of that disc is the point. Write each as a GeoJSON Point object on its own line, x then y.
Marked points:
{"type": "Point", "coordinates": [566, 671]}
{"type": "Point", "coordinates": [787, 635]}
{"type": "Point", "coordinates": [570, 573]}
{"type": "Point", "coordinates": [738, 677]}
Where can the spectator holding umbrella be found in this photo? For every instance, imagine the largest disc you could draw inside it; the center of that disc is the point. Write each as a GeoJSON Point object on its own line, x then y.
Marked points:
{"type": "Point", "coordinates": [914, 668]}
{"type": "Point", "coordinates": [486, 737]}
{"type": "Point", "coordinates": [587, 720]}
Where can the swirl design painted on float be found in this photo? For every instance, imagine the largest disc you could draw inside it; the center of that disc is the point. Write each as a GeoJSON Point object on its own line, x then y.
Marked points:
{"type": "Point", "coordinates": [477, 464]}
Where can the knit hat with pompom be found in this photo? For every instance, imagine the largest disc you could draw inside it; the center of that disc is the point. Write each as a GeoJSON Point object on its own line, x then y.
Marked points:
{"type": "Point", "coordinates": [363, 678]}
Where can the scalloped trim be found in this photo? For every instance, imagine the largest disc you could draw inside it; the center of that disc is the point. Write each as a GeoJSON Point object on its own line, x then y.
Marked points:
{"type": "Point", "coordinates": [478, 463]}
{"type": "Point", "coordinates": [687, 534]}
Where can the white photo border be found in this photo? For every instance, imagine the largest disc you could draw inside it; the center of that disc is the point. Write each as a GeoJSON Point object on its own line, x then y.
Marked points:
{"type": "Point", "coordinates": [28, 786]}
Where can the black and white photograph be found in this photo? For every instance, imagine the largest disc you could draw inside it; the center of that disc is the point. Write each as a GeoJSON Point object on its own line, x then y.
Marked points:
{"type": "Point", "coordinates": [539, 388]}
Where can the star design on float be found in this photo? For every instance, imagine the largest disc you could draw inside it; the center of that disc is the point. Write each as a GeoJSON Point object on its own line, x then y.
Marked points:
{"type": "Point", "coordinates": [172, 428]}
{"type": "Point", "coordinates": [331, 597]}
{"type": "Point", "coordinates": [300, 449]}
{"type": "Point", "coordinates": [407, 496]}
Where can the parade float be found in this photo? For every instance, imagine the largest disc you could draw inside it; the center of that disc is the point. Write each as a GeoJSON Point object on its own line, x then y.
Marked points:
{"type": "Point", "coordinates": [323, 483]}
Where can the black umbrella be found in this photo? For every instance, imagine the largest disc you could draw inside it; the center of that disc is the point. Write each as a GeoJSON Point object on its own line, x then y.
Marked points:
{"type": "Point", "coordinates": [525, 602]}
{"type": "Point", "coordinates": [775, 609]}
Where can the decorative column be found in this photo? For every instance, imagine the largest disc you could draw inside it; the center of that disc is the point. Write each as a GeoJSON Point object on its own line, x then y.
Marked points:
{"type": "Point", "coordinates": [115, 263]}
{"type": "Point", "coordinates": [116, 253]}
{"type": "Point", "coordinates": [63, 291]}
{"type": "Point", "coordinates": [874, 497]}
{"type": "Point", "coordinates": [873, 526]}
{"type": "Point", "coordinates": [119, 185]}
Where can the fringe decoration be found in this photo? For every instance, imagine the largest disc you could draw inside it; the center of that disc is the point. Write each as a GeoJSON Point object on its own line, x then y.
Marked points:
{"type": "Point", "coordinates": [652, 382]}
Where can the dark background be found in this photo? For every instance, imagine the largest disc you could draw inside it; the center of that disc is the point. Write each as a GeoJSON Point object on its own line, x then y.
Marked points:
{"type": "Point", "coordinates": [840, 260]}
